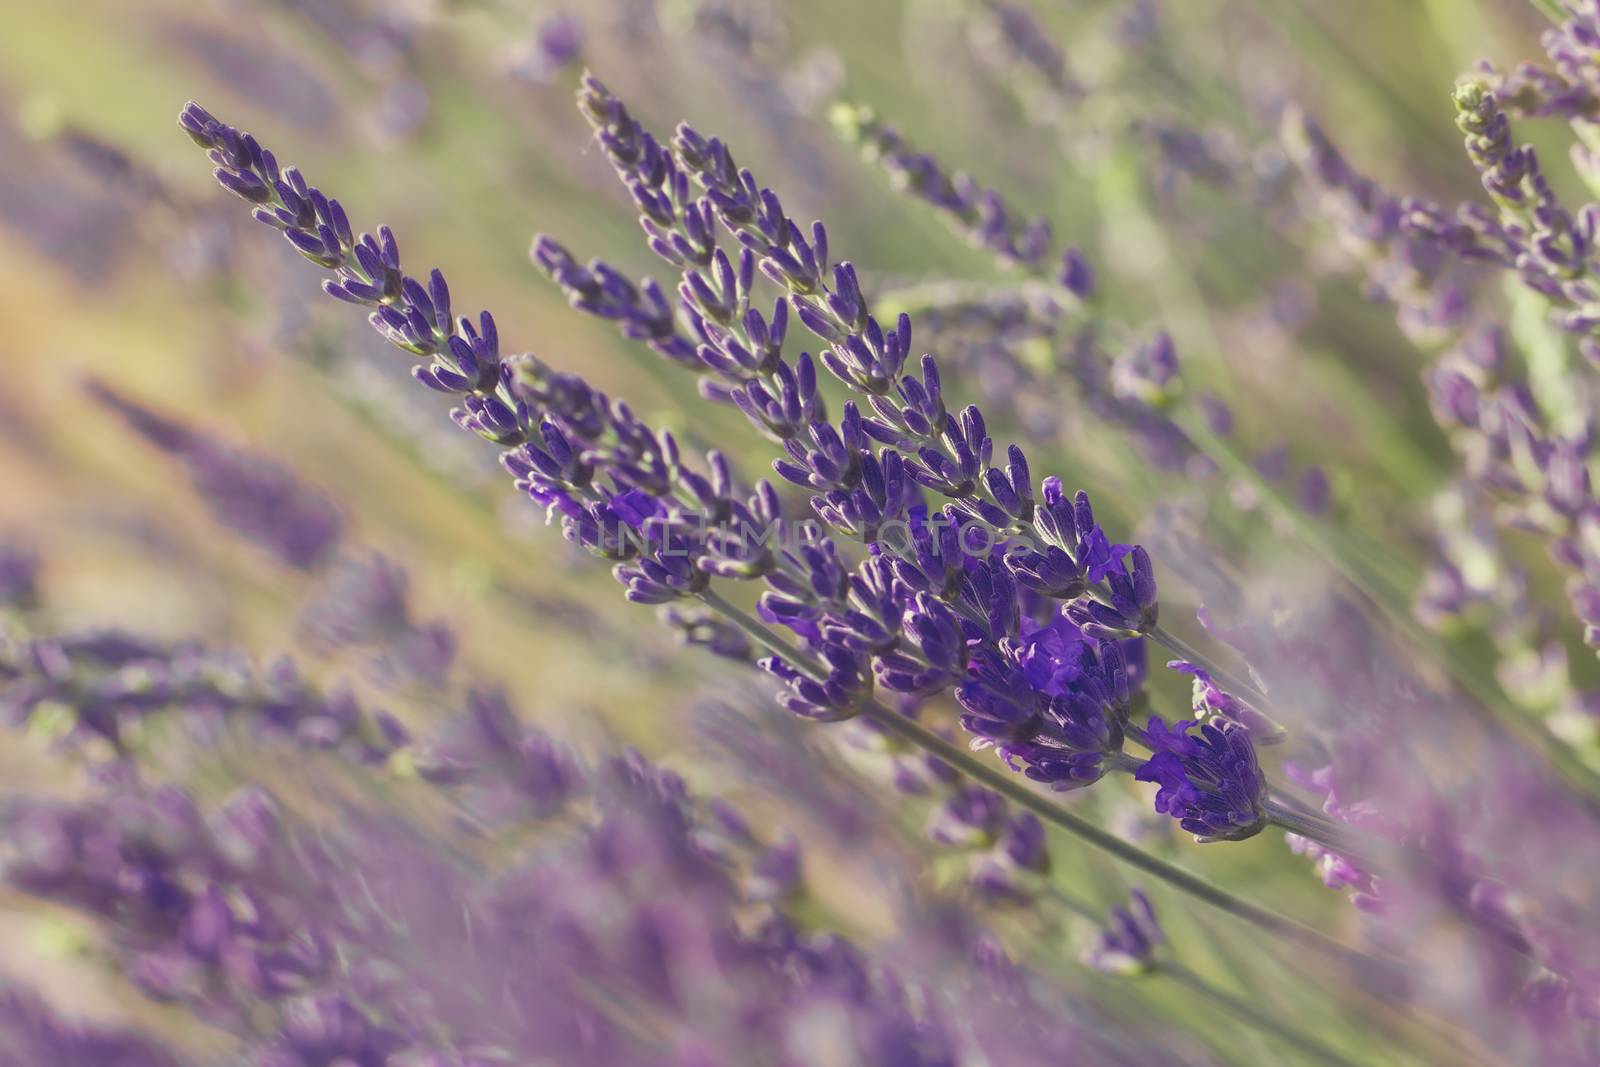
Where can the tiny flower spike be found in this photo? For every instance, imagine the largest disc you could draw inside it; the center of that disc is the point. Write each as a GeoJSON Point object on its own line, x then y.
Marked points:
{"type": "Point", "coordinates": [1551, 249]}
{"type": "Point", "coordinates": [1127, 944]}
{"type": "Point", "coordinates": [1128, 607]}
{"type": "Point", "coordinates": [982, 214]}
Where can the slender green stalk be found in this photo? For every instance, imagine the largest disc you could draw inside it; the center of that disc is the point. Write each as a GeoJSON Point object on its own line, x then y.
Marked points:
{"type": "Point", "coordinates": [1247, 1012]}
{"type": "Point", "coordinates": [1071, 903]}
{"type": "Point", "coordinates": [1314, 827]}
{"type": "Point", "coordinates": [1016, 791]}
{"type": "Point", "coordinates": [1551, 9]}
{"type": "Point", "coordinates": [1306, 825]}
{"type": "Point", "coordinates": [1235, 683]}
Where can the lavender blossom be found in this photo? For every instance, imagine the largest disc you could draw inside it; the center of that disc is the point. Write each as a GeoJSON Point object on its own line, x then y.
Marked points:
{"type": "Point", "coordinates": [1568, 89]}
{"type": "Point", "coordinates": [982, 214]}
{"type": "Point", "coordinates": [252, 494]}
{"type": "Point", "coordinates": [1127, 945]}
{"type": "Point", "coordinates": [1209, 781]}
{"type": "Point", "coordinates": [32, 1033]}
{"type": "Point", "coordinates": [1549, 248]}
{"type": "Point", "coordinates": [942, 452]}
{"type": "Point", "coordinates": [108, 688]}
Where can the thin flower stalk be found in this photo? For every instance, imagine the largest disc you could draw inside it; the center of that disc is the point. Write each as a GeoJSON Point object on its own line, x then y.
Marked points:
{"type": "Point", "coordinates": [1130, 944]}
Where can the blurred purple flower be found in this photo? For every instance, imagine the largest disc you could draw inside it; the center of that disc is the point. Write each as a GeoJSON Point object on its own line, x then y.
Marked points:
{"type": "Point", "coordinates": [251, 494]}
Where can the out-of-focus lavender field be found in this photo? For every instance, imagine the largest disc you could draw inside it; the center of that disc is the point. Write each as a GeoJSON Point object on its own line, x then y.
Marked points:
{"type": "Point", "coordinates": [331, 738]}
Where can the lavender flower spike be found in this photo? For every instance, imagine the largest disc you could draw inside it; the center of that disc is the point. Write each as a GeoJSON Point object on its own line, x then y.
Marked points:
{"type": "Point", "coordinates": [252, 494]}
{"type": "Point", "coordinates": [1210, 782]}
{"type": "Point", "coordinates": [1127, 945]}
{"type": "Point", "coordinates": [982, 214]}
{"type": "Point", "coordinates": [620, 488]}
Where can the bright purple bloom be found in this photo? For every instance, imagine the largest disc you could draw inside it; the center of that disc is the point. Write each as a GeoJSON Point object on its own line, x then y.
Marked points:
{"type": "Point", "coordinates": [1128, 943]}
{"type": "Point", "coordinates": [1130, 606]}
{"type": "Point", "coordinates": [1209, 780]}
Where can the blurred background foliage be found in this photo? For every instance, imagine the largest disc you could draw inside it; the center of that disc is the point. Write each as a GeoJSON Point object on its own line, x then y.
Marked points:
{"type": "Point", "coordinates": [452, 121]}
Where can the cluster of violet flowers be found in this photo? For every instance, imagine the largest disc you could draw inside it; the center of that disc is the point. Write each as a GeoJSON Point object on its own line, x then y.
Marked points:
{"type": "Point", "coordinates": [1031, 638]}
{"type": "Point", "coordinates": [1023, 608]}
{"type": "Point", "coordinates": [991, 589]}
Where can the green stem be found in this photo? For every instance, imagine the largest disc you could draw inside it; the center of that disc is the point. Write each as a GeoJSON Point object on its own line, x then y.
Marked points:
{"type": "Point", "coordinates": [1314, 827]}
{"type": "Point", "coordinates": [1073, 904]}
{"type": "Point", "coordinates": [1551, 10]}
{"type": "Point", "coordinates": [1248, 1012]}
{"type": "Point", "coordinates": [1236, 684]}
{"type": "Point", "coordinates": [1308, 826]}
{"type": "Point", "coordinates": [1013, 789]}
{"type": "Point", "coordinates": [763, 636]}
{"type": "Point", "coordinates": [1010, 787]}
